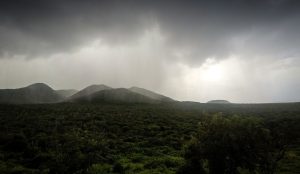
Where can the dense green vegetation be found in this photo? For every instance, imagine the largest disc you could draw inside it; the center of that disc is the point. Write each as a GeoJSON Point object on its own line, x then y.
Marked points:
{"type": "Point", "coordinates": [234, 145]}
{"type": "Point", "coordinates": [132, 138]}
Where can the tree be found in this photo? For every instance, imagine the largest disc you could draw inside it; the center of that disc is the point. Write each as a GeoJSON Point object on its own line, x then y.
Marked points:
{"type": "Point", "coordinates": [230, 144]}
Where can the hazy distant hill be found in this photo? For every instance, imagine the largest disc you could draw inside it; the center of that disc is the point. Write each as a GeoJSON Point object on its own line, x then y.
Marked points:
{"type": "Point", "coordinates": [35, 93]}
{"type": "Point", "coordinates": [151, 94]}
{"type": "Point", "coordinates": [42, 93]}
{"type": "Point", "coordinates": [219, 101]}
{"type": "Point", "coordinates": [66, 92]}
{"type": "Point", "coordinates": [119, 95]}
{"type": "Point", "coordinates": [89, 90]}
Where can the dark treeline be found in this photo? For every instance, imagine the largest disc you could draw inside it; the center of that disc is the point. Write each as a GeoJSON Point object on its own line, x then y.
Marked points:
{"type": "Point", "coordinates": [170, 138]}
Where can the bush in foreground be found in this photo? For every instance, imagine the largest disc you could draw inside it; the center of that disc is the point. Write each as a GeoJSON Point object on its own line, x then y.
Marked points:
{"type": "Point", "coordinates": [232, 145]}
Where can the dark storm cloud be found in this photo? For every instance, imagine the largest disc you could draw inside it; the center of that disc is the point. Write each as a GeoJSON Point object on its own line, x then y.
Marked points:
{"type": "Point", "coordinates": [57, 26]}
{"type": "Point", "coordinates": [199, 28]}
{"type": "Point", "coordinates": [216, 28]}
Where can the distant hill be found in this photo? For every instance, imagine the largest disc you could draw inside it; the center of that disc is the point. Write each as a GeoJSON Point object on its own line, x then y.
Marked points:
{"type": "Point", "coordinates": [88, 91]}
{"type": "Point", "coordinates": [219, 101]}
{"type": "Point", "coordinates": [35, 93]}
{"type": "Point", "coordinates": [42, 93]}
{"type": "Point", "coordinates": [150, 94]}
{"type": "Point", "coordinates": [119, 95]}
{"type": "Point", "coordinates": [66, 92]}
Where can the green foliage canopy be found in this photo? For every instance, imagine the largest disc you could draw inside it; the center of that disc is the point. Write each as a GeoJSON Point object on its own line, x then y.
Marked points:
{"type": "Point", "coordinates": [232, 144]}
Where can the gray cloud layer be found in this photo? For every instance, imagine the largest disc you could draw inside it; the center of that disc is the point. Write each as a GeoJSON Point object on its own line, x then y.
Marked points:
{"type": "Point", "coordinates": [203, 28]}
{"type": "Point", "coordinates": [186, 32]}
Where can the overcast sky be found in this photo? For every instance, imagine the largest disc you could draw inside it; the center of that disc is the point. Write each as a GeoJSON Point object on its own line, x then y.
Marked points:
{"type": "Point", "coordinates": [239, 50]}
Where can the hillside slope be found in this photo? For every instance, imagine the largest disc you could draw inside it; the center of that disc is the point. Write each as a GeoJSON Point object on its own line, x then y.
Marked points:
{"type": "Point", "coordinates": [35, 93]}
{"type": "Point", "coordinates": [150, 94]}
{"type": "Point", "coordinates": [88, 91]}
{"type": "Point", "coordinates": [119, 95]}
{"type": "Point", "coordinates": [66, 92]}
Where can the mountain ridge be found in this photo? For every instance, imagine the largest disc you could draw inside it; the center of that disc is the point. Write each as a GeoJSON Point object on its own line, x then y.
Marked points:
{"type": "Point", "coordinates": [42, 93]}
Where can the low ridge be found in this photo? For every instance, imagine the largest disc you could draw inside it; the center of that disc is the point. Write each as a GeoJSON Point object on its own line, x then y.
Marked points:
{"type": "Point", "coordinates": [219, 101]}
